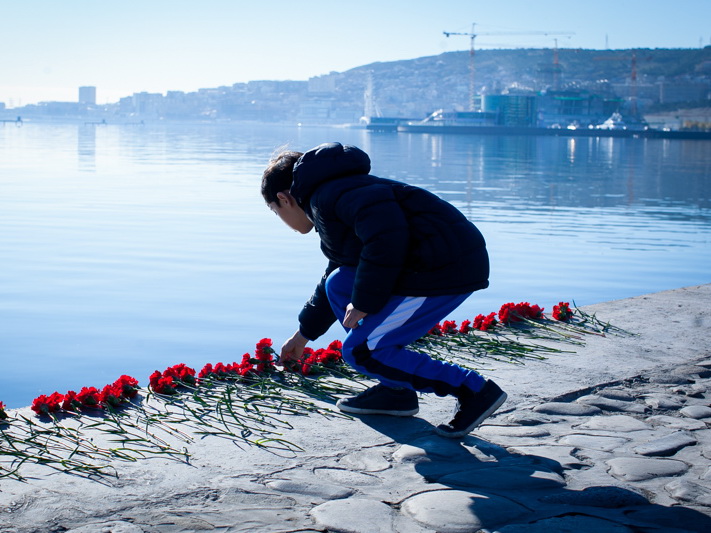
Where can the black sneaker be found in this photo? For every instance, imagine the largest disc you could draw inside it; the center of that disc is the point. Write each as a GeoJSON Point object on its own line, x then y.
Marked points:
{"type": "Point", "coordinates": [381, 400]}
{"type": "Point", "coordinates": [472, 409]}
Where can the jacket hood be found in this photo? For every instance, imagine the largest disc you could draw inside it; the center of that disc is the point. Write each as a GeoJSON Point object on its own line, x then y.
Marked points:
{"type": "Point", "coordinates": [324, 163]}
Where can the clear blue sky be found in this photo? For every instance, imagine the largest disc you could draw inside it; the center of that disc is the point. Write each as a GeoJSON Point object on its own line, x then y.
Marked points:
{"type": "Point", "coordinates": [48, 48]}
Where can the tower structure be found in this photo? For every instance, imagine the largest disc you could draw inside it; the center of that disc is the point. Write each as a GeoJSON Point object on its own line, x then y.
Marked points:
{"type": "Point", "coordinates": [87, 95]}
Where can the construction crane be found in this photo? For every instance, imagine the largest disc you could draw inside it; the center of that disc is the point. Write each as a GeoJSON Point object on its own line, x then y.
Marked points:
{"type": "Point", "coordinates": [556, 67]}
{"type": "Point", "coordinates": [633, 75]}
{"type": "Point", "coordinates": [472, 35]}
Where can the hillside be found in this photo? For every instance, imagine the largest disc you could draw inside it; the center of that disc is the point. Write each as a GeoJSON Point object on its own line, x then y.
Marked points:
{"type": "Point", "coordinates": [442, 81]}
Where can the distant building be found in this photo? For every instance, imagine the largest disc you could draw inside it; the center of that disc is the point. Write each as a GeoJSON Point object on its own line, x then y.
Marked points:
{"type": "Point", "coordinates": [145, 103]}
{"type": "Point", "coordinates": [322, 84]}
{"type": "Point", "coordinates": [87, 95]}
{"type": "Point", "coordinates": [683, 91]}
{"type": "Point", "coordinates": [511, 109]}
{"type": "Point", "coordinates": [575, 108]}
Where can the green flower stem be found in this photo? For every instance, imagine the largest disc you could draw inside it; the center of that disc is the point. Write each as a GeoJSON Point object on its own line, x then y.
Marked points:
{"type": "Point", "coordinates": [604, 327]}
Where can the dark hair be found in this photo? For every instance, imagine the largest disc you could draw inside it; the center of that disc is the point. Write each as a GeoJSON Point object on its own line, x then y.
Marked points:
{"type": "Point", "coordinates": [278, 176]}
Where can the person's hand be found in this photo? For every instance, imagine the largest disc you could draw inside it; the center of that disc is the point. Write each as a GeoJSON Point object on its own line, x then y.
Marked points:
{"type": "Point", "coordinates": [353, 317]}
{"type": "Point", "coordinates": [292, 351]}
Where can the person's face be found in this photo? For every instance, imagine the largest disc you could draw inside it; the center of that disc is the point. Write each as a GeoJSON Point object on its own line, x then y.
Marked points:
{"type": "Point", "coordinates": [290, 213]}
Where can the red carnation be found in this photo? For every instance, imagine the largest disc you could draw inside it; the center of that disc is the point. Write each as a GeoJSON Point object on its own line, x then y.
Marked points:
{"type": "Point", "coordinates": [489, 321]}
{"type": "Point", "coordinates": [465, 326]}
{"type": "Point", "coordinates": [154, 377]}
{"type": "Point", "coordinates": [43, 405]}
{"type": "Point", "coordinates": [511, 312]}
{"type": "Point", "coordinates": [449, 327]}
{"type": "Point", "coordinates": [308, 364]}
{"type": "Point", "coordinates": [70, 402]}
{"type": "Point", "coordinates": [264, 354]}
{"type": "Point", "coordinates": [161, 384]}
{"type": "Point", "coordinates": [478, 319]}
{"type": "Point", "coordinates": [562, 312]}
{"type": "Point", "coordinates": [246, 368]}
{"type": "Point", "coordinates": [336, 345]}
{"type": "Point", "coordinates": [128, 385]}
{"type": "Point", "coordinates": [264, 349]}
{"type": "Point", "coordinates": [89, 397]}
{"type": "Point", "coordinates": [536, 311]}
{"type": "Point", "coordinates": [3, 414]}
{"type": "Point", "coordinates": [436, 330]}
{"type": "Point", "coordinates": [206, 371]}
{"type": "Point", "coordinates": [507, 313]}
{"type": "Point", "coordinates": [330, 356]}
{"type": "Point", "coordinates": [165, 385]}
{"type": "Point", "coordinates": [485, 323]}
{"type": "Point", "coordinates": [181, 372]}
{"type": "Point", "coordinates": [523, 309]}
{"type": "Point", "coordinates": [112, 395]}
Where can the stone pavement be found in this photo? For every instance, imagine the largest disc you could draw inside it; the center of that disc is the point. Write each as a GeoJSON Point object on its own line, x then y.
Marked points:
{"type": "Point", "coordinates": [629, 456]}
{"type": "Point", "coordinates": [623, 457]}
{"type": "Point", "coordinates": [627, 450]}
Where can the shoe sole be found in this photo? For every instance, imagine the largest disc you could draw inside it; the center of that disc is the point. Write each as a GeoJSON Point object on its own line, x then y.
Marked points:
{"type": "Point", "coordinates": [360, 411]}
{"type": "Point", "coordinates": [486, 414]}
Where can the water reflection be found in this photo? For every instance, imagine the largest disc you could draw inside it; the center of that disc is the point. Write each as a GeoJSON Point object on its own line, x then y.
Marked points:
{"type": "Point", "coordinates": [86, 147]}
{"type": "Point", "coordinates": [124, 249]}
{"type": "Point", "coordinates": [588, 172]}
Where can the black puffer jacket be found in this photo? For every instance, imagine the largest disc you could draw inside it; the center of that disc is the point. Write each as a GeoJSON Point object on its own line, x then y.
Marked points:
{"type": "Point", "coordinates": [403, 240]}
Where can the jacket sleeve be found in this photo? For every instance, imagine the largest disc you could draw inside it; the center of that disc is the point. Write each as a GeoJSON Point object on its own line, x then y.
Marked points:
{"type": "Point", "coordinates": [380, 224]}
{"type": "Point", "coordinates": [317, 315]}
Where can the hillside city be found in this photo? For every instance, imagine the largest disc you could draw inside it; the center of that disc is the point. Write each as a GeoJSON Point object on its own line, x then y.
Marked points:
{"type": "Point", "coordinates": [567, 84]}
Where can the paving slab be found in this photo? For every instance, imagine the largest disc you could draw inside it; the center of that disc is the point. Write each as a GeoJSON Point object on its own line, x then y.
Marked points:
{"type": "Point", "coordinates": [528, 418]}
{"type": "Point", "coordinates": [685, 490]}
{"type": "Point", "coordinates": [365, 461]}
{"type": "Point", "coordinates": [664, 403]}
{"type": "Point", "coordinates": [324, 491]}
{"type": "Point", "coordinates": [457, 511]}
{"type": "Point", "coordinates": [610, 404]}
{"type": "Point", "coordinates": [560, 455]}
{"type": "Point", "coordinates": [696, 411]}
{"type": "Point", "coordinates": [617, 394]}
{"type": "Point", "coordinates": [614, 423]}
{"type": "Point", "coordinates": [640, 469]}
{"type": "Point", "coordinates": [675, 422]}
{"type": "Point", "coordinates": [604, 443]}
{"type": "Point", "coordinates": [666, 446]}
{"type": "Point", "coordinates": [567, 409]}
{"type": "Point", "coordinates": [354, 515]}
{"type": "Point", "coordinates": [513, 431]}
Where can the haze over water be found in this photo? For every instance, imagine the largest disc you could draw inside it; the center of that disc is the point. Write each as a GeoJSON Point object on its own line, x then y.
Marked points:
{"type": "Point", "coordinates": [126, 249]}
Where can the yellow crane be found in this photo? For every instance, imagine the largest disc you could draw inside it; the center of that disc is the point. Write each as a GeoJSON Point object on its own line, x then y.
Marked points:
{"type": "Point", "coordinates": [472, 35]}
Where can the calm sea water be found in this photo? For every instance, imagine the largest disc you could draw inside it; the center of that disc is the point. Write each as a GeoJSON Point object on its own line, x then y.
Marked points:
{"type": "Point", "coordinates": [126, 249]}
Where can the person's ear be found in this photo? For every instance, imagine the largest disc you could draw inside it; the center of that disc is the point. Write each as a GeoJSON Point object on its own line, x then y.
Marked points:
{"type": "Point", "coordinates": [283, 198]}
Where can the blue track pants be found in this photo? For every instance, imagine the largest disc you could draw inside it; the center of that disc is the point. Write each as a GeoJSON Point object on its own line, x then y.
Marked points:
{"type": "Point", "coordinates": [377, 347]}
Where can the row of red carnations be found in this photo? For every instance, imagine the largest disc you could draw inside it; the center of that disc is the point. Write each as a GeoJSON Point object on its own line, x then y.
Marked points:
{"type": "Point", "coordinates": [508, 313]}
{"type": "Point", "coordinates": [115, 394]}
{"type": "Point", "coordinates": [125, 388]}
{"type": "Point", "coordinates": [168, 381]}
